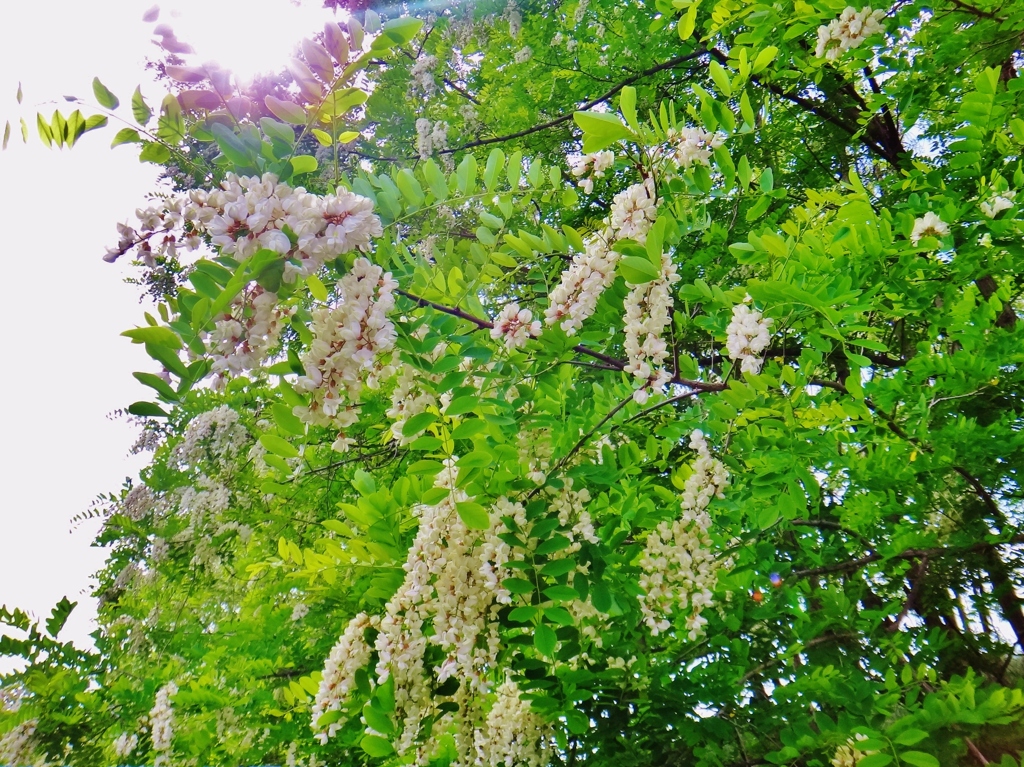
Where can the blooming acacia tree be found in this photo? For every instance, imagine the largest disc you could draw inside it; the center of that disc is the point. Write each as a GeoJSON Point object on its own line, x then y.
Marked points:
{"type": "Point", "coordinates": [714, 463]}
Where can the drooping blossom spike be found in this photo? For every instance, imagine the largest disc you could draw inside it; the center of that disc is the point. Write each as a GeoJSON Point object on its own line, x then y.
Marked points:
{"type": "Point", "coordinates": [748, 336]}
{"type": "Point", "coordinates": [515, 326]}
{"type": "Point", "coordinates": [848, 31]}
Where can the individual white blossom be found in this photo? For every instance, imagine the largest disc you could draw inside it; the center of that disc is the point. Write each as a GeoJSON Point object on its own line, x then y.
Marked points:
{"type": "Point", "coordinates": [648, 312]}
{"type": "Point", "coordinates": [848, 31]}
{"type": "Point", "coordinates": [424, 138]}
{"type": "Point", "coordinates": [350, 654]}
{"type": "Point", "coordinates": [747, 336]}
{"type": "Point", "coordinates": [349, 339]}
{"type": "Point", "coordinates": [161, 720]}
{"type": "Point", "coordinates": [679, 568]}
{"type": "Point", "coordinates": [523, 55]}
{"type": "Point", "coordinates": [587, 167]}
{"type": "Point", "coordinates": [928, 225]}
{"type": "Point", "coordinates": [996, 205]}
{"type": "Point", "coordinates": [634, 211]}
{"type": "Point", "coordinates": [515, 326]}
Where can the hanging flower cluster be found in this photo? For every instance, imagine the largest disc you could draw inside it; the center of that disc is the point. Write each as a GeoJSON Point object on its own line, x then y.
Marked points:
{"type": "Point", "coordinates": [747, 336]}
{"type": "Point", "coordinates": [678, 565]}
{"type": "Point", "coordinates": [648, 313]}
{"type": "Point", "coordinates": [250, 213]}
{"type": "Point", "coordinates": [575, 297]}
{"type": "Point", "coordinates": [161, 720]}
{"type": "Point", "coordinates": [16, 745]}
{"type": "Point", "coordinates": [246, 334]}
{"type": "Point", "coordinates": [587, 167]}
{"type": "Point", "coordinates": [422, 75]}
{"type": "Point", "coordinates": [688, 146]}
{"type": "Point", "coordinates": [848, 31]}
{"type": "Point", "coordinates": [348, 340]}
{"type": "Point", "coordinates": [215, 435]}
{"type": "Point", "coordinates": [453, 585]}
{"type": "Point", "coordinates": [124, 744]}
{"type": "Point", "coordinates": [515, 326]}
{"type": "Point", "coordinates": [350, 654]}
{"type": "Point", "coordinates": [512, 736]}
{"type": "Point", "coordinates": [848, 755]}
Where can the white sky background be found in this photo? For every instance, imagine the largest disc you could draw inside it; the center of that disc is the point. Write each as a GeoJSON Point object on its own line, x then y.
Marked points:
{"type": "Point", "coordinates": [64, 366]}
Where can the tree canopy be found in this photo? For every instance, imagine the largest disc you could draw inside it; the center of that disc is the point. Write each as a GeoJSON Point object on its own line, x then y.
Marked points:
{"type": "Point", "coordinates": [587, 382]}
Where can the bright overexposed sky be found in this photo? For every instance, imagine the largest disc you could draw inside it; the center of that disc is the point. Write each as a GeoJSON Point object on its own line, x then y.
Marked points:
{"type": "Point", "coordinates": [64, 366]}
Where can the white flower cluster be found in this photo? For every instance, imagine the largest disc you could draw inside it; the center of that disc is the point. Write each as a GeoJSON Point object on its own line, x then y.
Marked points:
{"type": "Point", "coordinates": [575, 297]}
{"type": "Point", "coordinates": [848, 31]}
{"type": "Point", "coordinates": [408, 399]}
{"type": "Point", "coordinates": [595, 163]}
{"type": "Point", "coordinates": [161, 720]}
{"type": "Point", "coordinates": [633, 212]}
{"type": "Point", "coordinates": [514, 18]}
{"type": "Point", "coordinates": [453, 581]}
{"type": "Point", "coordinates": [300, 611]}
{"type": "Point", "coordinates": [523, 55]}
{"type": "Point", "coordinates": [453, 586]}
{"type": "Point", "coordinates": [350, 654]}
{"type": "Point", "coordinates": [249, 213]}
{"type": "Point", "coordinates": [430, 137]}
{"type": "Point", "coordinates": [648, 313]}
{"type": "Point", "coordinates": [693, 145]}
{"type": "Point", "coordinates": [512, 736]}
{"type": "Point", "coordinates": [422, 74]}
{"type": "Point", "coordinates": [215, 435]}
{"type": "Point", "coordinates": [515, 326]}
{"type": "Point", "coordinates": [16, 745]}
{"type": "Point", "coordinates": [748, 336]}
{"type": "Point", "coordinates": [348, 340]}
{"type": "Point", "coordinates": [125, 744]}
{"type": "Point", "coordinates": [929, 225]}
{"type": "Point", "coordinates": [848, 755]}
{"type": "Point", "coordinates": [246, 335]}
{"type": "Point", "coordinates": [581, 11]}
{"type": "Point", "coordinates": [995, 206]}
{"type": "Point", "coordinates": [679, 567]}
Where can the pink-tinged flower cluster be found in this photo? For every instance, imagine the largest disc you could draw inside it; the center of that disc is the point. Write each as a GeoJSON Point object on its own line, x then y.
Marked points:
{"type": "Point", "coordinates": [247, 214]}
{"type": "Point", "coordinates": [748, 334]}
{"type": "Point", "coordinates": [349, 340]}
{"type": "Point", "coordinates": [679, 568]}
{"type": "Point", "coordinates": [515, 326]}
{"type": "Point", "coordinates": [648, 313]}
{"type": "Point", "coordinates": [587, 167]}
{"type": "Point", "coordinates": [689, 146]}
{"type": "Point", "coordinates": [848, 31]}
{"type": "Point", "coordinates": [350, 654]}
